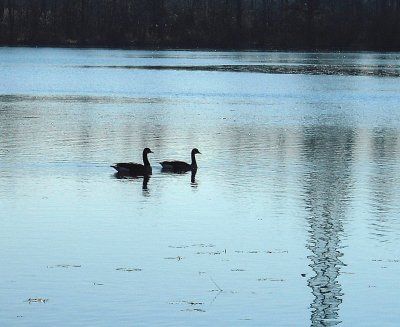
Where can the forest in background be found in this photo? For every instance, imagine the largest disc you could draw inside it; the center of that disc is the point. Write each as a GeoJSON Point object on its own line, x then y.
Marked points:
{"type": "Point", "coordinates": [219, 24]}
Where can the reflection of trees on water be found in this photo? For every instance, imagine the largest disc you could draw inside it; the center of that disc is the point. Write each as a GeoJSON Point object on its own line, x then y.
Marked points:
{"type": "Point", "coordinates": [385, 144]}
{"type": "Point", "coordinates": [327, 184]}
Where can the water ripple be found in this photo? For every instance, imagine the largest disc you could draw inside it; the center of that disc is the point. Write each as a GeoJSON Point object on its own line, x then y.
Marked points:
{"type": "Point", "coordinates": [341, 70]}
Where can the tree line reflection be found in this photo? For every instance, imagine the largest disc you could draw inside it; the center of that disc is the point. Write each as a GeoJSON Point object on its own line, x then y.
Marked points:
{"type": "Point", "coordinates": [328, 184]}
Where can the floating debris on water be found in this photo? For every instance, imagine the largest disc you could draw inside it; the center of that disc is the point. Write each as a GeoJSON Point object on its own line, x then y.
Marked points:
{"type": "Point", "coordinates": [218, 287]}
{"type": "Point", "coordinates": [64, 266]}
{"type": "Point", "coordinates": [277, 251]}
{"type": "Point", "coordinates": [178, 246]}
{"type": "Point", "coordinates": [270, 279]}
{"type": "Point", "coordinates": [191, 303]}
{"type": "Point", "coordinates": [387, 260]}
{"type": "Point", "coordinates": [204, 245]}
{"type": "Point", "coordinates": [263, 251]}
{"type": "Point", "coordinates": [194, 303]}
{"type": "Point", "coordinates": [212, 252]}
{"type": "Point", "coordinates": [36, 300]}
{"type": "Point", "coordinates": [201, 245]}
{"type": "Point", "coordinates": [174, 258]}
{"type": "Point", "coordinates": [128, 269]}
{"type": "Point", "coordinates": [194, 309]}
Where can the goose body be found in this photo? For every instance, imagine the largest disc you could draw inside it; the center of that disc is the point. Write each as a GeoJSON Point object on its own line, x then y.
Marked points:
{"type": "Point", "coordinates": [181, 166]}
{"type": "Point", "coordinates": [133, 168]}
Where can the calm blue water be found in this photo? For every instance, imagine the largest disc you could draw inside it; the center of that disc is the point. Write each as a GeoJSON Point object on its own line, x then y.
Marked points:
{"type": "Point", "coordinates": [293, 218]}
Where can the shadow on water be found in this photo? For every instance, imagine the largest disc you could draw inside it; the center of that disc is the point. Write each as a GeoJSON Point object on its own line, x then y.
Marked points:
{"type": "Point", "coordinates": [145, 181]}
{"type": "Point", "coordinates": [193, 172]}
{"type": "Point", "coordinates": [327, 185]}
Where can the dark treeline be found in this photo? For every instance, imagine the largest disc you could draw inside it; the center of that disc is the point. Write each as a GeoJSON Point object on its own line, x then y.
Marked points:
{"type": "Point", "coordinates": [263, 24]}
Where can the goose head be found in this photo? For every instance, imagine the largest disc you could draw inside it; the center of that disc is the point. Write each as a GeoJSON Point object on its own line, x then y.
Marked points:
{"type": "Point", "coordinates": [195, 151]}
{"type": "Point", "coordinates": [147, 151]}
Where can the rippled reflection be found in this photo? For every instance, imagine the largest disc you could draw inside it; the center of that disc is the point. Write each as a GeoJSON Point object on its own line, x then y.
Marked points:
{"type": "Point", "coordinates": [145, 181]}
{"type": "Point", "coordinates": [327, 185]}
{"type": "Point", "coordinates": [193, 178]}
{"type": "Point", "coordinates": [318, 69]}
{"type": "Point", "coordinates": [385, 143]}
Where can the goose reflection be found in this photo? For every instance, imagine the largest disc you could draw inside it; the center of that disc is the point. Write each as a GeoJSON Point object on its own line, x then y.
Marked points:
{"type": "Point", "coordinates": [193, 172]}
{"type": "Point", "coordinates": [193, 181]}
{"type": "Point", "coordinates": [145, 189]}
{"type": "Point", "coordinates": [145, 181]}
{"type": "Point", "coordinates": [327, 185]}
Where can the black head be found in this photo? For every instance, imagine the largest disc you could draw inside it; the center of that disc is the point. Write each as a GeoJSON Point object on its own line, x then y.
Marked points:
{"type": "Point", "coordinates": [196, 151]}
{"type": "Point", "coordinates": [147, 150]}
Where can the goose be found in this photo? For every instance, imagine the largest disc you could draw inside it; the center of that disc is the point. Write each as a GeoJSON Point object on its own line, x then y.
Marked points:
{"type": "Point", "coordinates": [181, 166]}
{"type": "Point", "coordinates": [135, 169]}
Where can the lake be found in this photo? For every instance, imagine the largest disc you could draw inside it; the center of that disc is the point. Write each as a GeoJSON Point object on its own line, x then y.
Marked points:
{"type": "Point", "coordinates": [293, 217]}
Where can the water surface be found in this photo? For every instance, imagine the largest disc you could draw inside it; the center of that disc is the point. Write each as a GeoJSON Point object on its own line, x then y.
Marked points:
{"type": "Point", "coordinates": [292, 218]}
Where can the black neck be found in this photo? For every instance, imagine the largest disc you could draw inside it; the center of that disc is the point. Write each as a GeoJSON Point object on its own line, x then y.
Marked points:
{"type": "Point", "coordinates": [194, 163]}
{"type": "Point", "coordinates": [146, 161]}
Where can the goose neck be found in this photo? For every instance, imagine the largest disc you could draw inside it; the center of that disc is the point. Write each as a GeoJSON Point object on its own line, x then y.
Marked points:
{"type": "Point", "coordinates": [194, 163]}
{"type": "Point", "coordinates": [146, 161]}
